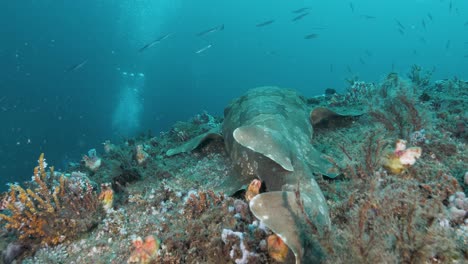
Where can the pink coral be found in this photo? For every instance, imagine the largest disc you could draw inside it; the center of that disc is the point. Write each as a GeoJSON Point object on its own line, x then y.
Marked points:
{"type": "Point", "coordinates": [144, 252]}
{"type": "Point", "coordinates": [410, 155]}
{"type": "Point", "coordinates": [407, 156]}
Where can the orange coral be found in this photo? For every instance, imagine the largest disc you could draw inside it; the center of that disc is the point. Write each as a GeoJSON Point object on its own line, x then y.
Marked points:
{"type": "Point", "coordinates": [277, 249]}
{"type": "Point", "coordinates": [253, 189]}
{"type": "Point", "coordinates": [106, 196]}
{"type": "Point", "coordinates": [46, 213]}
{"type": "Point", "coordinates": [144, 252]}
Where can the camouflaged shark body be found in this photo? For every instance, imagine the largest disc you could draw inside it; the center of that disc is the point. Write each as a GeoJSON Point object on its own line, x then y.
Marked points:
{"type": "Point", "coordinates": [268, 133]}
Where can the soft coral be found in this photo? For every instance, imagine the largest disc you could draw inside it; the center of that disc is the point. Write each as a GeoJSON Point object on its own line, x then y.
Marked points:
{"type": "Point", "coordinates": [145, 251]}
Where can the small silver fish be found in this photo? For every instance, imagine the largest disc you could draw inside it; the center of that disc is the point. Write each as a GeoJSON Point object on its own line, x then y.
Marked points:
{"type": "Point", "coordinates": [317, 28]}
{"type": "Point", "coordinates": [77, 66]}
{"type": "Point", "coordinates": [266, 23]}
{"type": "Point", "coordinates": [399, 24]}
{"type": "Point", "coordinates": [311, 36]}
{"type": "Point", "coordinates": [154, 42]}
{"type": "Point", "coordinates": [300, 10]}
{"type": "Point", "coordinates": [429, 16]}
{"type": "Point", "coordinates": [203, 49]}
{"type": "Point", "coordinates": [299, 17]}
{"type": "Point", "coordinates": [368, 17]}
{"type": "Point", "coordinates": [211, 30]}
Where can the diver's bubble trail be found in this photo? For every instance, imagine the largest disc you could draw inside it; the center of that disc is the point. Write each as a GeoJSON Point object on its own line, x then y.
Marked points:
{"type": "Point", "coordinates": [127, 115]}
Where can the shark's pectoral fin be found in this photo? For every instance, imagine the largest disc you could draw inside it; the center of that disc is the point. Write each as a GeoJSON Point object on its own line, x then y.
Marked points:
{"type": "Point", "coordinates": [324, 117]}
{"type": "Point", "coordinates": [267, 142]}
{"type": "Point", "coordinates": [279, 212]}
{"type": "Point", "coordinates": [193, 143]}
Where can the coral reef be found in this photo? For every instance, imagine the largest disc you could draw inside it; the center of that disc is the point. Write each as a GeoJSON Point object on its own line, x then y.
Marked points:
{"type": "Point", "coordinates": [54, 209]}
{"type": "Point", "coordinates": [419, 76]}
{"type": "Point", "coordinates": [415, 214]}
{"type": "Point", "coordinates": [399, 114]}
{"type": "Point", "coordinates": [458, 208]}
{"type": "Point", "coordinates": [392, 224]}
{"type": "Point", "coordinates": [243, 256]}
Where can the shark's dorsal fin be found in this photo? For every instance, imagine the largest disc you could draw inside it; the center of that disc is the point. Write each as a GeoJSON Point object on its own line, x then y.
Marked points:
{"type": "Point", "coordinates": [267, 142]}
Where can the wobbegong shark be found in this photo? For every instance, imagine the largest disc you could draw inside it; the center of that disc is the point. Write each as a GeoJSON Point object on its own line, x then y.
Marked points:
{"type": "Point", "coordinates": [268, 135]}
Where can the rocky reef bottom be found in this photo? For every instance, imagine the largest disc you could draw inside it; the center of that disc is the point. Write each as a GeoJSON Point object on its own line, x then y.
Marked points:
{"type": "Point", "coordinates": [160, 209]}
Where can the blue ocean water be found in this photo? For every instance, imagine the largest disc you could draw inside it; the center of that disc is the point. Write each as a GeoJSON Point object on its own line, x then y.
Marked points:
{"type": "Point", "coordinates": [66, 67]}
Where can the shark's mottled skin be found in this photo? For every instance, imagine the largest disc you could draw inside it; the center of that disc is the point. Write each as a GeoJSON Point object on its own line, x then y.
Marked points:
{"type": "Point", "coordinates": [272, 124]}
{"type": "Point", "coordinates": [268, 133]}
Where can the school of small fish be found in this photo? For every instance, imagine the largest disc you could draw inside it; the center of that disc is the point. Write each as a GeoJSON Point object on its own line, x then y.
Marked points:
{"type": "Point", "coordinates": [298, 15]}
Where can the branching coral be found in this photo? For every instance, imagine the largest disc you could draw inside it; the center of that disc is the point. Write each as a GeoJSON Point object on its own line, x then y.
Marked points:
{"type": "Point", "coordinates": [53, 209]}
{"type": "Point", "coordinates": [399, 114]}
{"type": "Point", "coordinates": [418, 77]}
{"type": "Point", "coordinates": [394, 223]}
{"type": "Point", "coordinates": [367, 161]}
{"type": "Point", "coordinates": [396, 108]}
